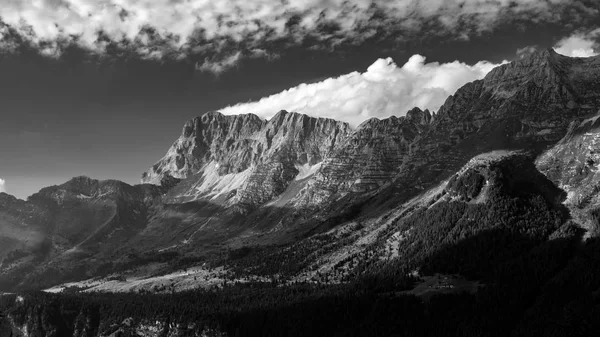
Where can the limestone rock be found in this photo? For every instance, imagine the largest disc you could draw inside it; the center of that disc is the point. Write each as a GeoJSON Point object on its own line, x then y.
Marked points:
{"type": "Point", "coordinates": [244, 160]}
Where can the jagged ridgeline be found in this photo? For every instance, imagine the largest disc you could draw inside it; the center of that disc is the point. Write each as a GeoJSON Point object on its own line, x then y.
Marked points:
{"type": "Point", "coordinates": [479, 219]}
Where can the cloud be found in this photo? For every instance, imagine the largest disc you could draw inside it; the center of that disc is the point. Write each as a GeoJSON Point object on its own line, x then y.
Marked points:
{"type": "Point", "coordinates": [219, 65]}
{"type": "Point", "coordinates": [526, 51]}
{"type": "Point", "coordinates": [2, 185]}
{"type": "Point", "coordinates": [580, 44]}
{"type": "Point", "coordinates": [220, 28]}
{"type": "Point", "coordinates": [384, 89]}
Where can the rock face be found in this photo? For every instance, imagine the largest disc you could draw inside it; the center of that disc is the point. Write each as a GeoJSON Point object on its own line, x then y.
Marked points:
{"type": "Point", "coordinates": [527, 104]}
{"type": "Point", "coordinates": [308, 170]}
{"type": "Point", "coordinates": [244, 160]}
{"type": "Point", "coordinates": [205, 139]}
{"type": "Point", "coordinates": [241, 160]}
{"type": "Point", "coordinates": [573, 165]}
{"type": "Point", "coordinates": [371, 157]}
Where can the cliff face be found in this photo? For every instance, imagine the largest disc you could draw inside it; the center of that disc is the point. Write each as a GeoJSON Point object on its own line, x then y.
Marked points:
{"type": "Point", "coordinates": [295, 172]}
{"type": "Point", "coordinates": [573, 165]}
{"type": "Point", "coordinates": [210, 137]}
{"type": "Point", "coordinates": [371, 157]}
{"type": "Point", "coordinates": [243, 160]}
{"type": "Point", "coordinates": [527, 103]}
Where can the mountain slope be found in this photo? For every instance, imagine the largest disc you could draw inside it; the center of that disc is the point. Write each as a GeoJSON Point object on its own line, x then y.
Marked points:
{"type": "Point", "coordinates": [71, 223]}
{"type": "Point", "coordinates": [244, 160]}
{"type": "Point", "coordinates": [236, 191]}
{"type": "Point", "coordinates": [527, 103]}
{"type": "Point", "coordinates": [573, 165]}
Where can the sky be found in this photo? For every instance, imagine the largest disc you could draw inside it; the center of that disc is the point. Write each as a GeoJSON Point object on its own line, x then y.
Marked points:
{"type": "Point", "coordinates": [102, 88]}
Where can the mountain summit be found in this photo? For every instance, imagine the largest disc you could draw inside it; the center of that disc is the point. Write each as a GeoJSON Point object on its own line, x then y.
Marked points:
{"type": "Point", "coordinates": [529, 102]}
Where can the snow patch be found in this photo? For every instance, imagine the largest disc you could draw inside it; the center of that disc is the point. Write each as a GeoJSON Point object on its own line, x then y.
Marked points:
{"type": "Point", "coordinates": [215, 185]}
{"type": "Point", "coordinates": [306, 170]}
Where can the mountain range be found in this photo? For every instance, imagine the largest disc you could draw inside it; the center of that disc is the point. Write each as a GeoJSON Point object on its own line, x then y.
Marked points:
{"type": "Point", "coordinates": [508, 164]}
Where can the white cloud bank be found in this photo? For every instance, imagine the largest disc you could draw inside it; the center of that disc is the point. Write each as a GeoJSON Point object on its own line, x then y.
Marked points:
{"type": "Point", "coordinates": [2, 185]}
{"type": "Point", "coordinates": [579, 44]}
{"type": "Point", "coordinates": [385, 89]}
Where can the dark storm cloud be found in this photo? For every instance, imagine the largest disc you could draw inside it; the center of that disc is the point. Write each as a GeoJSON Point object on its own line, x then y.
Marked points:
{"type": "Point", "coordinates": [216, 35]}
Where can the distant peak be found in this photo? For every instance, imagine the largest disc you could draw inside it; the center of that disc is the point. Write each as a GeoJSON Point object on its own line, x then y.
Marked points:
{"type": "Point", "coordinates": [5, 196]}
{"type": "Point", "coordinates": [82, 179]}
{"type": "Point", "coordinates": [416, 115]}
{"type": "Point", "coordinates": [375, 122]}
{"type": "Point", "coordinates": [215, 119]}
{"type": "Point", "coordinates": [544, 67]}
{"type": "Point", "coordinates": [280, 115]}
{"type": "Point", "coordinates": [544, 57]}
{"type": "Point", "coordinates": [550, 52]}
{"type": "Point", "coordinates": [209, 116]}
{"type": "Point", "coordinates": [284, 116]}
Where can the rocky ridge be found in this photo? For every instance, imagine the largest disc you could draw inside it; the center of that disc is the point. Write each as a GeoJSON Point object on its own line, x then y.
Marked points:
{"type": "Point", "coordinates": [527, 103]}
{"type": "Point", "coordinates": [60, 227]}
{"type": "Point", "coordinates": [573, 165]}
{"type": "Point", "coordinates": [258, 158]}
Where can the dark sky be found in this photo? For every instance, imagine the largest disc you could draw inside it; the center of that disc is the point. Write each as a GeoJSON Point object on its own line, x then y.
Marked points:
{"type": "Point", "coordinates": [113, 118]}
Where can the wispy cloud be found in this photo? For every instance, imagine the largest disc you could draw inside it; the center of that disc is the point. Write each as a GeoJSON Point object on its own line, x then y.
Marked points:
{"type": "Point", "coordinates": [219, 65]}
{"type": "Point", "coordinates": [526, 51]}
{"type": "Point", "coordinates": [383, 90]}
{"type": "Point", "coordinates": [218, 29]}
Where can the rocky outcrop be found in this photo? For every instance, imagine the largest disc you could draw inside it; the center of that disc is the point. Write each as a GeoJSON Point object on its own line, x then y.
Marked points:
{"type": "Point", "coordinates": [243, 160]}
{"type": "Point", "coordinates": [527, 104]}
{"type": "Point", "coordinates": [211, 137]}
{"type": "Point", "coordinates": [573, 164]}
{"type": "Point", "coordinates": [536, 98]}
{"type": "Point", "coordinates": [371, 157]}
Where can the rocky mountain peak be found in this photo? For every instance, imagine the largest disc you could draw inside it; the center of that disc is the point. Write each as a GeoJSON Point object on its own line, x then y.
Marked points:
{"type": "Point", "coordinates": [413, 118]}
{"type": "Point", "coordinates": [10, 203]}
{"type": "Point", "coordinates": [212, 122]}
{"type": "Point", "coordinates": [528, 101]}
{"type": "Point", "coordinates": [545, 72]}
{"type": "Point", "coordinates": [245, 148]}
{"type": "Point", "coordinates": [6, 198]}
{"type": "Point", "coordinates": [280, 116]}
{"type": "Point", "coordinates": [294, 124]}
{"type": "Point", "coordinates": [419, 116]}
